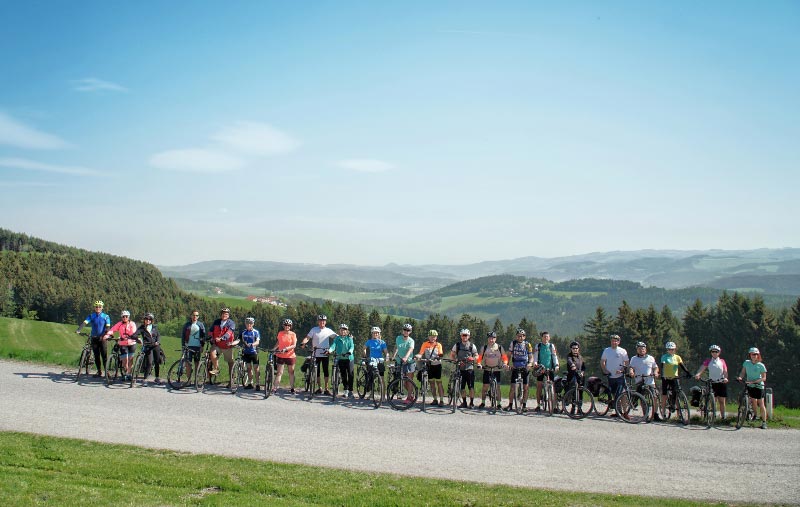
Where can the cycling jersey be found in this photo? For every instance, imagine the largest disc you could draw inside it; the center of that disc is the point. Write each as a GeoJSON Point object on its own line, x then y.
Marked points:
{"type": "Point", "coordinates": [545, 355]}
{"type": "Point", "coordinates": [99, 323]}
{"type": "Point", "coordinates": [321, 337]}
{"type": "Point", "coordinates": [520, 353]}
{"type": "Point", "coordinates": [193, 334]}
{"type": "Point", "coordinates": [125, 330]}
{"type": "Point", "coordinates": [249, 338]}
{"type": "Point", "coordinates": [494, 356]}
{"type": "Point", "coordinates": [375, 348]}
{"type": "Point", "coordinates": [644, 366]}
{"type": "Point", "coordinates": [463, 351]}
{"type": "Point", "coordinates": [404, 347]}
{"type": "Point", "coordinates": [716, 368]}
{"type": "Point", "coordinates": [343, 347]}
{"type": "Point", "coordinates": [753, 372]}
{"type": "Point", "coordinates": [432, 351]}
{"type": "Point", "coordinates": [671, 364]}
{"type": "Point", "coordinates": [285, 340]}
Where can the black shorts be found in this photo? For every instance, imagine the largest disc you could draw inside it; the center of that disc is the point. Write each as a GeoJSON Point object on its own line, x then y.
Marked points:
{"type": "Point", "coordinates": [467, 379]}
{"type": "Point", "coordinates": [291, 361]}
{"type": "Point", "coordinates": [127, 350]}
{"type": "Point", "coordinates": [720, 389]}
{"type": "Point", "coordinates": [549, 373]}
{"type": "Point", "coordinates": [250, 358]}
{"type": "Point", "coordinates": [666, 383]}
{"type": "Point", "coordinates": [755, 393]}
{"type": "Point", "coordinates": [322, 365]}
{"type": "Point", "coordinates": [487, 375]}
{"type": "Point", "coordinates": [434, 372]}
{"type": "Point", "coordinates": [524, 371]}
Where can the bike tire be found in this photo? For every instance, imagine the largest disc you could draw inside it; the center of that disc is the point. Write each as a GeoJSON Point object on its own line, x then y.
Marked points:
{"type": "Point", "coordinates": [493, 396]}
{"type": "Point", "coordinates": [137, 369]}
{"type": "Point", "coordinates": [631, 407]}
{"type": "Point", "coordinates": [397, 394]}
{"type": "Point", "coordinates": [424, 392]}
{"type": "Point", "coordinates": [201, 375]}
{"type": "Point", "coordinates": [335, 382]}
{"type": "Point", "coordinates": [549, 398]}
{"type": "Point", "coordinates": [709, 411]}
{"type": "Point", "coordinates": [112, 369]}
{"type": "Point", "coordinates": [269, 380]}
{"type": "Point", "coordinates": [83, 364]}
{"type": "Point", "coordinates": [518, 392]}
{"type": "Point", "coordinates": [603, 401]}
{"type": "Point", "coordinates": [236, 372]}
{"type": "Point", "coordinates": [652, 403]}
{"type": "Point", "coordinates": [311, 382]}
{"type": "Point", "coordinates": [682, 406]}
{"type": "Point", "coordinates": [456, 395]}
{"type": "Point", "coordinates": [361, 382]}
{"type": "Point", "coordinates": [177, 376]}
{"type": "Point", "coordinates": [580, 405]}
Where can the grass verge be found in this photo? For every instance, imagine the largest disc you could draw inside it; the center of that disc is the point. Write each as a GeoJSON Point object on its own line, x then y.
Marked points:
{"type": "Point", "coordinates": [37, 470]}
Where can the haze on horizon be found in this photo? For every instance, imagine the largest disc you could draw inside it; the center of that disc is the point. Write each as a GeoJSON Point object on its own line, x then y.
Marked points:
{"type": "Point", "coordinates": [413, 133]}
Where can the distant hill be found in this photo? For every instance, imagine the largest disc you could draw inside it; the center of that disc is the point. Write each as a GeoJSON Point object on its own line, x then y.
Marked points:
{"type": "Point", "coordinates": [766, 284]}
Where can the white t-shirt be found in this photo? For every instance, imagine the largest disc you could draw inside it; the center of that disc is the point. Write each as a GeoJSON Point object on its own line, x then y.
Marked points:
{"type": "Point", "coordinates": [615, 360]}
{"type": "Point", "coordinates": [321, 338]}
{"type": "Point", "coordinates": [644, 366]}
{"type": "Point", "coordinates": [716, 368]}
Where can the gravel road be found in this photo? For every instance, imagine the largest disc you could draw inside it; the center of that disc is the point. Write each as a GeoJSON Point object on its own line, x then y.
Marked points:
{"type": "Point", "coordinates": [601, 455]}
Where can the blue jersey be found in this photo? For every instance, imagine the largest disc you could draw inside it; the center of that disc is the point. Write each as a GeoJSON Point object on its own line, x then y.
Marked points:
{"type": "Point", "coordinates": [249, 339]}
{"type": "Point", "coordinates": [100, 323]}
{"type": "Point", "coordinates": [375, 348]}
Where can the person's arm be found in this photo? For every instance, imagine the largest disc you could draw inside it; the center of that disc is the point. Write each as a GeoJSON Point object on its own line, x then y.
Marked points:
{"type": "Point", "coordinates": [741, 374]}
{"type": "Point", "coordinates": [257, 341]}
{"type": "Point", "coordinates": [555, 357]}
{"type": "Point", "coordinates": [536, 355]}
{"type": "Point", "coordinates": [82, 325]}
{"type": "Point", "coordinates": [724, 371]}
{"type": "Point", "coordinates": [603, 365]}
{"type": "Point", "coordinates": [202, 331]}
{"type": "Point", "coordinates": [503, 356]}
{"type": "Point", "coordinates": [700, 371]}
{"type": "Point", "coordinates": [453, 352]}
{"type": "Point", "coordinates": [684, 368]}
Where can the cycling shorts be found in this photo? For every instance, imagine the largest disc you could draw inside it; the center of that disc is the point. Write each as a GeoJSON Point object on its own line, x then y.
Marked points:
{"type": "Point", "coordinates": [524, 371]}
{"type": "Point", "coordinates": [468, 379]}
{"type": "Point", "coordinates": [487, 375]}
{"type": "Point", "coordinates": [126, 350]}
{"type": "Point", "coordinates": [549, 373]}
{"type": "Point", "coordinates": [193, 353]}
{"type": "Point", "coordinates": [250, 358]}
{"type": "Point", "coordinates": [435, 372]}
{"type": "Point", "coordinates": [720, 390]}
{"type": "Point", "coordinates": [291, 361]}
{"type": "Point", "coordinates": [755, 393]}
{"type": "Point", "coordinates": [666, 383]}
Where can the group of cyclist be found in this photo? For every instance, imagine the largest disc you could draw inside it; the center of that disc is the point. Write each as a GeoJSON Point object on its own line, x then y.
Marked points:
{"type": "Point", "coordinates": [521, 357]}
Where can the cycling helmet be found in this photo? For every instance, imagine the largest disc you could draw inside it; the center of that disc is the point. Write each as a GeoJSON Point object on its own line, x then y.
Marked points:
{"type": "Point", "coordinates": [344, 326]}
{"type": "Point", "coordinates": [521, 331]}
{"type": "Point", "coordinates": [375, 329]}
{"type": "Point", "coordinates": [225, 310]}
{"type": "Point", "coordinates": [754, 350]}
{"type": "Point", "coordinates": [249, 320]}
{"type": "Point", "coordinates": [98, 303]}
{"type": "Point", "coordinates": [407, 327]}
{"type": "Point", "coordinates": [538, 371]}
{"type": "Point", "coordinates": [670, 345]}
{"type": "Point", "coordinates": [491, 334]}
{"type": "Point", "coordinates": [322, 316]}
{"type": "Point", "coordinates": [464, 331]}
{"type": "Point", "coordinates": [641, 344]}
{"type": "Point", "coordinates": [433, 332]}
{"type": "Point", "coordinates": [287, 322]}
{"type": "Point", "coordinates": [125, 313]}
{"type": "Point", "coordinates": [615, 337]}
{"type": "Point", "coordinates": [574, 344]}
{"type": "Point", "coordinates": [714, 348]}
{"type": "Point", "coordinates": [150, 316]}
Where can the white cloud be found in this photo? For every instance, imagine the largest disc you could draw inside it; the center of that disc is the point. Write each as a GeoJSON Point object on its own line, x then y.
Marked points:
{"type": "Point", "coordinates": [196, 160]}
{"type": "Point", "coordinates": [32, 165]}
{"type": "Point", "coordinates": [365, 165]}
{"type": "Point", "coordinates": [92, 84]}
{"type": "Point", "coordinates": [14, 133]}
{"type": "Point", "coordinates": [253, 138]}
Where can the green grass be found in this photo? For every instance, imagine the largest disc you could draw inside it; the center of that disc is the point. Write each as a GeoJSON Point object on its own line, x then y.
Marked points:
{"type": "Point", "coordinates": [37, 470]}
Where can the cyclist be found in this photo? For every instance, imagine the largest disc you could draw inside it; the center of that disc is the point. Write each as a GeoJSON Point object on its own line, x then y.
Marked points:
{"type": "Point", "coordinates": [575, 365]}
{"type": "Point", "coordinates": [125, 327]}
{"type": "Point", "coordinates": [644, 369]}
{"type": "Point", "coordinates": [670, 362]}
{"type": "Point", "coordinates": [403, 355]}
{"type": "Point", "coordinates": [433, 350]}
{"type": "Point", "coordinates": [493, 355]}
{"type": "Point", "coordinates": [100, 322]}
{"type": "Point", "coordinates": [320, 337]}
{"type": "Point", "coordinates": [250, 339]}
{"type": "Point", "coordinates": [375, 353]}
{"type": "Point", "coordinates": [755, 374]}
{"type": "Point", "coordinates": [521, 353]}
{"type": "Point", "coordinates": [613, 361]}
{"type": "Point", "coordinates": [718, 373]}
{"type": "Point", "coordinates": [544, 354]}
{"type": "Point", "coordinates": [222, 334]}
{"type": "Point", "coordinates": [147, 334]}
{"type": "Point", "coordinates": [285, 354]}
{"type": "Point", "coordinates": [193, 337]}
{"type": "Point", "coordinates": [342, 349]}
{"type": "Point", "coordinates": [467, 353]}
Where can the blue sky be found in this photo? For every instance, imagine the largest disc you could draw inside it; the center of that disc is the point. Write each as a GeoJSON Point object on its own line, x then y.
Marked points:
{"type": "Point", "coordinates": [409, 132]}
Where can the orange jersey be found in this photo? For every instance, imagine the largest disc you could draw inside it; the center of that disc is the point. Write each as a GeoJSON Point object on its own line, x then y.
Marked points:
{"type": "Point", "coordinates": [286, 339]}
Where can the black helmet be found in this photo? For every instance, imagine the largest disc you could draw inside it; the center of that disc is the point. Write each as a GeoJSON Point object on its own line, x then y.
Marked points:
{"type": "Point", "coordinates": [574, 344]}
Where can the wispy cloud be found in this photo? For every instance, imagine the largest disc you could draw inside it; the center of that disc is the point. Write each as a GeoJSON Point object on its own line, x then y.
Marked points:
{"type": "Point", "coordinates": [14, 133]}
{"type": "Point", "coordinates": [196, 160]}
{"type": "Point", "coordinates": [365, 165]}
{"type": "Point", "coordinates": [254, 138]}
{"type": "Point", "coordinates": [32, 165]}
{"type": "Point", "coordinates": [229, 149]}
{"type": "Point", "coordinates": [92, 84]}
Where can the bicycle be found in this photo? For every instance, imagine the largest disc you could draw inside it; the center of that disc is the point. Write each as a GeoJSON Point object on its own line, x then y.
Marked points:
{"type": "Point", "coordinates": [454, 385]}
{"type": "Point", "coordinates": [311, 373]}
{"type": "Point", "coordinates": [424, 381]}
{"type": "Point", "coordinates": [336, 375]}
{"type": "Point", "coordinates": [138, 369]}
{"type": "Point", "coordinates": [113, 366]}
{"type": "Point", "coordinates": [85, 359]}
{"type": "Point", "coordinates": [578, 401]}
{"type": "Point", "coordinates": [631, 406]}
{"type": "Point", "coordinates": [745, 412]}
{"type": "Point", "coordinates": [603, 397]}
{"type": "Point", "coordinates": [677, 402]}
{"type": "Point", "coordinates": [650, 395]}
{"type": "Point", "coordinates": [708, 405]}
{"type": "Point", "coordinates": [238, 370]}
{"type": "Point", "coordinates": [269, 374]}
{"type": "Point", "coordinates": [203, 369]}
{"type": "Point", "coordinates": [397, 392]}
{"type": "Point", "coordinates": [370, 383]}
{"type": "Point", "coordinates": [548, 394]}
{"type": "Point", "coordinates": [516, 392]}
{"type": "Point", "coordinates": [494, 388]}
{"type": "Point", "coordinates": [180, 372]}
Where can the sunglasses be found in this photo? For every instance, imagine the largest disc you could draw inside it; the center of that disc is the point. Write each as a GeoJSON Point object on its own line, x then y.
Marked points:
{"type": "Point", "coordinates": [575, 348]}
{"type": "Point", "coordinates": [195, 315]}
{"type": "Point", "coordinates": [464, 335]}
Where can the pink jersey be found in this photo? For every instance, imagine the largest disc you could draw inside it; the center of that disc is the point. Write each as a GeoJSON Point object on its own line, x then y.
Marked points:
{"type": "Point", "coordinates": [124, 330]}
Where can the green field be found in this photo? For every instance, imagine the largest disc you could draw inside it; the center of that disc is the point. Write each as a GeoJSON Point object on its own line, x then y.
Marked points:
{"type": "Point", "coordinates": [38, 470]}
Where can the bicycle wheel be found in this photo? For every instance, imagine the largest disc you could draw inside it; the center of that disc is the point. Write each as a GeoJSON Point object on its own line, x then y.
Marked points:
{"type": "Point", "coordinates": [456, 394]}
{"type": "Point", "coordinates": [236, 375]}
{"type": "Point", "coordinates": [518, 392]}
{"type": "Point", "coordinates": [631, 407]}
{"type": "Point", "coordinates": [361, 381]}
{"type": "Point", "coordinates": [423, 389]}
{"type": "Point", "coordinates": [652, 402]}
{"type": "Point", "coordinates": [112, 369]}
{"type": "Point", "coordinates": [201, 375]}
{"type": "Point", "coordinates": [311, 382]}
{"type": "Point", "coordinates": [683, 408]}
{"type": "Point", "coordinates": [335, 382]}
{"type": "Point", "coordinates": [178, 374]}
{"type": "Point", "coordinates": [603, 400]}
{"type": "Point", "coordinates": [548, 398]}
{"type": "Point", "coordinates": [400, 398]}
{"type": "Point", "coordinates": [578, 406]}
{"type": "Point", "coordinates": [376, 391]}
{"type": "Point", "coordinates": [709, 410]}
{"type": "Point", "coordinates": [493, 395]}
{"type": "Point", "coordinates": [83, 364]}
{"type": "Point", "coordinates": [137, 370]}
{"type": "Point", "coordinates": [741, 415]}
{"type": "Point", "coordinates": [269, 380]}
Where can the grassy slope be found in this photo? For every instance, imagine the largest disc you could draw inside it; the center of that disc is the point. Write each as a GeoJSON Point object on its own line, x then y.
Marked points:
{"type": "Point", "coordinates": [36, 470]}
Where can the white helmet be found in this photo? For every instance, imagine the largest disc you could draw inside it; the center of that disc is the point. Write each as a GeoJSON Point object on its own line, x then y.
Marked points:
{"type": "Point", "coordinates": [375, 329]}
{"type": "Point", "coordinates": [465, 331]}
{"type": "Point", "coordinates": [249, 320]}
{"type": "Point", "coordinates": [125, 313]}
{"type": "Point", "coordinates": [714, 348]}
{"type": "Point", "coordinates": [670, 345]}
